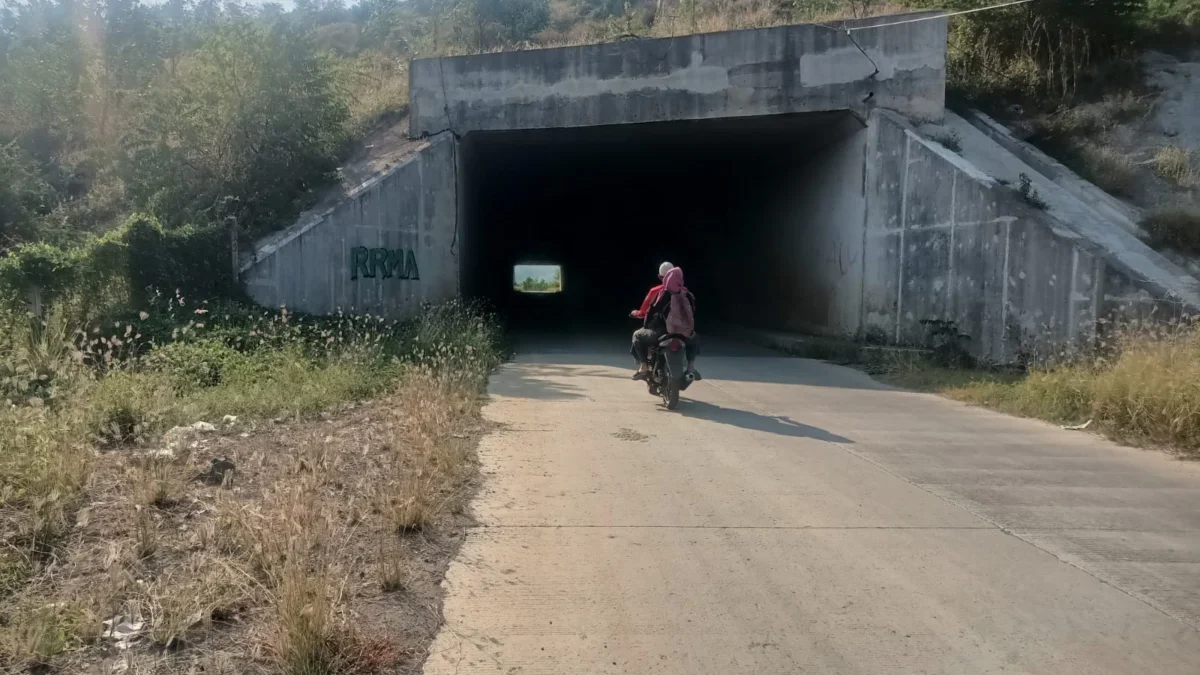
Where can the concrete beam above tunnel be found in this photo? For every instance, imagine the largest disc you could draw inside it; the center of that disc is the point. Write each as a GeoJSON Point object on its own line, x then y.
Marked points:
{"type": "Point", "coordinates": [899, 65]}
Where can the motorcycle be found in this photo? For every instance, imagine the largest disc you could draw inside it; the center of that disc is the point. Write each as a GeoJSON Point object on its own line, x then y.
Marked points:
{"type": "Point", "coordinates": [668, 372]}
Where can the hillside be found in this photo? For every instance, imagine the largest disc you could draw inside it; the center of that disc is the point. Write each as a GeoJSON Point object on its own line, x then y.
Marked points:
{"type": "Point", "coordinates": [1141, 144]}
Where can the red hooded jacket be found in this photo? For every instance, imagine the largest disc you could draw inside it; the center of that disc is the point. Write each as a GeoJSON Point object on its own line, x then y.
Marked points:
{"type": "Point", "coordinates": [650, 298]}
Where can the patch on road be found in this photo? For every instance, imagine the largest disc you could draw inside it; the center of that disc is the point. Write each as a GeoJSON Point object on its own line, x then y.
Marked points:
{"type": "Point", "coordinates": [630, 435]}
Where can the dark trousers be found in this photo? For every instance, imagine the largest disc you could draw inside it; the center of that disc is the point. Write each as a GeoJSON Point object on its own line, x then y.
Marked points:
{"type": "Point", "coordinates": [644, 340]}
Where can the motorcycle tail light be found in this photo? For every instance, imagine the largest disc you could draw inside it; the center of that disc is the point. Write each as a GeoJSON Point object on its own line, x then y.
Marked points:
{"type": "Point", "coordinates": [674, 345]}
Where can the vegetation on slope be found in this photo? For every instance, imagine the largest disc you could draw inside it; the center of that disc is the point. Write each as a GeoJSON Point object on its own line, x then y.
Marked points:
{"type": "Point", "coordinates": [198, 111]}
{"type": "Point", "coordinates": [102, 516]}
{"type": "Point", "coordinates": [1144, 390]}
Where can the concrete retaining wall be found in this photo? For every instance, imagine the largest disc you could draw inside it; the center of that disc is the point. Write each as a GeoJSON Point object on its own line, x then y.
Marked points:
{"type": "Point", "coordinates": [384, 249]}
{"type": "Point", "coordinates": [787, 69]}
{"type": "Point", "coordinates": [882, 229]}
{"type": "Point", "coordinates": [945, 241]}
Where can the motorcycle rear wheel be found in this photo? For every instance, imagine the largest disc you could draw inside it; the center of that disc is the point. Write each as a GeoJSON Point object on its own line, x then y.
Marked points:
{"type": "Point", "coordinates": [672, 394]}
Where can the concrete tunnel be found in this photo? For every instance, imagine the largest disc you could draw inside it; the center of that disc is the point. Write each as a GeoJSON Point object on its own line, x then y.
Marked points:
{"type": "Point", "coordinates": [783, 168]}
{"type": "Point", "coordinates": [742, 205]}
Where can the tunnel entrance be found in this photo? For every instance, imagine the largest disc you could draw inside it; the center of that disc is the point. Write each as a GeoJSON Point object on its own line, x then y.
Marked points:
{"type": "Point", "coordinates": [758, 211]}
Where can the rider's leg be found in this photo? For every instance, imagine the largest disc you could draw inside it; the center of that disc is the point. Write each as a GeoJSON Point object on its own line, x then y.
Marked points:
{"type": "Point", "coordinates": [642, 340]}
{"type": "Point", "coordinates": [692, 349]}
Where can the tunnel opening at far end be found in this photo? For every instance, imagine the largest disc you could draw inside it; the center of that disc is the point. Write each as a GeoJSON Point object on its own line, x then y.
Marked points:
{"type": "Point", "coordinates": [537, 278]}
{"type": "Point", "coordinates": [764, 214]}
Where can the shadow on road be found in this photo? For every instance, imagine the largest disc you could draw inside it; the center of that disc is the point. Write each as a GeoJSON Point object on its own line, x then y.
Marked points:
{"type": "Point", "coordinates": [529, 385]}
{"type": "Point", "coordinates": [744, 419]}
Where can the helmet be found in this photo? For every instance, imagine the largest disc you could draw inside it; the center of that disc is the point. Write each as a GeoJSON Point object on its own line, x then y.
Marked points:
{"type": "Point", "coordinates": [664, 268]}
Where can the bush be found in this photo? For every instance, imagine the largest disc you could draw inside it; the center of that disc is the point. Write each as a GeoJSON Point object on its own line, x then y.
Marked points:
{"type": "Point", "coordinates": [1174, 13]}
{"type": "Point", "coordinates": [287, 383]}
{"type": "Point", "coordinates": [194, 260]}
{"type": "Point", "coordinates": [40, 267]}
{"type": "Point", "coordinates": [195, 364]}
{"type": "Point", "coordinates": [1177, 229]}
{"type": "Point", "coordinates": [24, 194]}
{"type": "Point", "coordinates": [39, 357]}
{"type": "Point", "coordinates": [128, 407]}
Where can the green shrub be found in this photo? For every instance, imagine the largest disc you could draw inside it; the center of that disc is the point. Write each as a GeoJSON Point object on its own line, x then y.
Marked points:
{"type": "Point", "coordinates": [46, 268]}
{"type": "Point", "coordinates": [1174, 13]}
{"type": "Point", "coordinates": [193, 260]}
{"type": "Point", "coordinates": [289, 384]}
{"type": "Point", "coordinates": [129, 407]}
{"type": "Point", "coordinates": [195, 364]}
{"type": "Point", "coordinates": [24, 194]}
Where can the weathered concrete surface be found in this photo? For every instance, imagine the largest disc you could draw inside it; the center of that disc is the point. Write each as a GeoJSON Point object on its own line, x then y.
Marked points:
{"type": "Point", "coordinates": [796, 517]}
{"type": "Point", "coordinates": [1109, 224]}
{"type": "Point", "coordinates": [946, 240]}
{"type": "Point", "coordinates": [318, 265]}
{"type": "Point", "coordinates": [787, 69]}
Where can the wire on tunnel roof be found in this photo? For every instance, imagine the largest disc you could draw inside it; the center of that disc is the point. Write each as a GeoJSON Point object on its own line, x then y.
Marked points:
{"type": "Point", "coordinates": [849, 30]}
{"type": "Point", "coordinates": [943, 15]}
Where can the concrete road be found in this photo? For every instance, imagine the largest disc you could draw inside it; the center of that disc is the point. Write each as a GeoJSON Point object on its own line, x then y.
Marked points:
{"type": "Point", "coordinates": [796, 517]}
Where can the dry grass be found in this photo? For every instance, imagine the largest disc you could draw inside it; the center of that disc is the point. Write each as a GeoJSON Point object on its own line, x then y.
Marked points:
{"type": "Point", "coordinates": [159, 480]}
{"type": "Point", "coordinates": [1110, 169]}
{"type": "Point", "coordinates": [1175, 164]}
{"type": "Point", "coordinates": [378, 87]}
{"type": "Point", "coordinates": [395, 572]}
{"type": "Point", "coordinates": [189, 597]}
{"type": "Point", "coordinates": [320, 515]}
{"type": "Point", "coordinates": [1148, 393]}
{"type": "Point", "coordinates": [304, 642]}
{"type": "Point", "coordinates": [1089, 120]}
{"type": "Point", "coordinates": [273, 564]}
{"type": "Point", "coordinates": [1177, 228]}
{"type": "Point", "coordinates": [569, 29]}
{"type": "Point", "coordinates": [40, 634]}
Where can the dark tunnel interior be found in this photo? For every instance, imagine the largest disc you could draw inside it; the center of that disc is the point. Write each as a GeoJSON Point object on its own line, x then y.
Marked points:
{"type": "Point", "coordinates": [609, 204]}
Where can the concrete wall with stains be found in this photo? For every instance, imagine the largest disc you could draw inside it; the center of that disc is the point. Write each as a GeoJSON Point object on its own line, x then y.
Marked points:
{"type": "Point", "coordinates": [945, 241]}
{"type": "Point", "coordinates": [409, 211]}
{"type": "Point", "coordinates": [786, 69]}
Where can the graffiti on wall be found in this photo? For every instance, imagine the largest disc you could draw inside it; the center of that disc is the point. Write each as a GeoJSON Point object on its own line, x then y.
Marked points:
{"type": "Point", "coordinates": [383, 263]}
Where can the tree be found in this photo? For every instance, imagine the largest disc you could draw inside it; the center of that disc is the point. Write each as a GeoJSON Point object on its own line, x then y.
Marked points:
{"type": "Point", "coordinates": [1041, 52]}
{"type": "Point", "coordinates": [42, 87]}
{"type": "Point", "coordinates": [131, 52]}
{"type": "Point", "coordinates": [24, 195]}
{"type": "Point", "coordinates": [254, 124]}
{"type": "Point", "coordinates": [508, 21]}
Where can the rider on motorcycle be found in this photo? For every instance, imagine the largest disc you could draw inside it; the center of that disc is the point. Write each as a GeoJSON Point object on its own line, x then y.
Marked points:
{"type": "Point", "coordinates": [641, 312]}
{"type": "Point", "coordinates": [656, 315]}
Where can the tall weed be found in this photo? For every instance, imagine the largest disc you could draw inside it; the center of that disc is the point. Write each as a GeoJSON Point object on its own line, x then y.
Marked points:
{"type": "Point", "coordinates": [1149, 391]}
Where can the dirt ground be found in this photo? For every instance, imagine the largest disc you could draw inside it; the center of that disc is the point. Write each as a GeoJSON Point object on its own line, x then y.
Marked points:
{"type": "Point", "coordinates": [197, 562]}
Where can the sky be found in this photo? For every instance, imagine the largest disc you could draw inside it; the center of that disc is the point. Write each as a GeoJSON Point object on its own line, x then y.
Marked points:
{"type": "Point", "coordinates": [535, 272]}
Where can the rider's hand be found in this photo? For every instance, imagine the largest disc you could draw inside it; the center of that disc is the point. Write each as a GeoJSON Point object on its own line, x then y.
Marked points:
{"type": "Point", "coordinates": [633, 314]}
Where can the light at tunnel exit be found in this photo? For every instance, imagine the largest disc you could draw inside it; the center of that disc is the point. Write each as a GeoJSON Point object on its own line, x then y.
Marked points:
{"type": "Point", "coordinates": [537, 278]}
